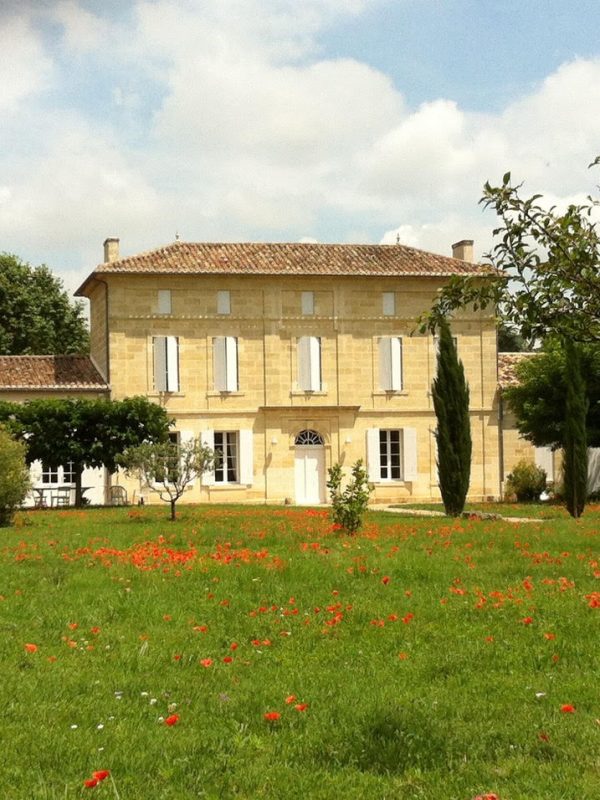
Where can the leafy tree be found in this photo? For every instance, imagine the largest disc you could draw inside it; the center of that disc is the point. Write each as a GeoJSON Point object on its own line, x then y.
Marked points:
{"type": "Point", "coordinates": [575, 448]}
{"type": "Point", "coordinates": [36, 313]}
{"type": "Point", "coordinates": [166, 468]}
{"type": "Point", "coordinates": [547, 262]}
{"type": "Point", "coordinates": [89, 433]}
{"type": "Point", "coordinates": [539, 400]}
{"type": "Point", "coordinates": [510, 340]}
{"type": "Point", "coordinates": [348, 506]}
{"type": "Point", "coordinates": [14, 476]}
{"type": "Point", "coordinates": [453, 434]}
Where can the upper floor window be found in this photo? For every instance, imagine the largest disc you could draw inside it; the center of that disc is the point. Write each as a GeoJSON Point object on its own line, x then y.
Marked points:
{"type": "Point", "coordinates": [224, 302]}
{"type": "Point", "coordinates": [166, 363]}
{"type": "Point", "coordinates": [390, 363]}
{"type": "Point", "coordinates": [164, 301]}
{"type": "Point", "coordinates": [308, 303]}
{"type": "Point", "coordinates": [225, 363]}
{"type": "Point", "coordinates": [309, 364]}
{"type": "Point", "coordinates": [389, 304]}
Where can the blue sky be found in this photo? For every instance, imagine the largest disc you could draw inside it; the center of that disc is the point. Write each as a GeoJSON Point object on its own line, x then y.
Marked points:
{"type": "Point", "coordinates": [328, 120]}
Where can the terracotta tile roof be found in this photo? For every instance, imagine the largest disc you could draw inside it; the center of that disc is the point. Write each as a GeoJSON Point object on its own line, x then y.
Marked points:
{"type": "Point", "coordinates": [186, 258]}
{"type": "Point", "coordinates": [506, 367]}
{"type": "Point", "coordinates": [50, 372]}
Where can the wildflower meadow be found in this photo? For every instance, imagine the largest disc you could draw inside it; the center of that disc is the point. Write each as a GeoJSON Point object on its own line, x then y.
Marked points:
{"type": "Point", "coordinates": [261, 653]}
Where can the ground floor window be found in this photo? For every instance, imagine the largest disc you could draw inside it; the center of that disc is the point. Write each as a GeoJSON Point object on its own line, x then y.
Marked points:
{"type": "Point", "coordinates": [58, 475]}
{"type": "Point", "coordinates": [390, 455]}
{"type": "Point", "coordinates": [226, 454]}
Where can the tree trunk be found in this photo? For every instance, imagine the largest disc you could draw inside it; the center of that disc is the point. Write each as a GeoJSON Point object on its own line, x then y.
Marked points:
{"type": "Point", "coordinates": [173, 509]}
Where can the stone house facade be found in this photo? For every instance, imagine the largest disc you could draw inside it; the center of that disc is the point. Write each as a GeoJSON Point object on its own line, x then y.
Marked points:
{"type": "Point", "coordinates": [287, 358]}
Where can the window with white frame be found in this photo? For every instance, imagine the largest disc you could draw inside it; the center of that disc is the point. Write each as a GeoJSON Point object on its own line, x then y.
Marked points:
{"type": "Point", "coordinates": [309, 364]}
{"type": "Point", "coordinates": [58, 475]}
{"type": "Point", "coordinates": [308, 303]}
{"type": "Point", "coordinates": [224, 302]}
{"type": "Point", "coordinates": [392, 454]}
{"type": "Point", "coordinates": [390, 363]}
{"type": "Point", "coordinates": [234, 459]}
{"type": "Point", "coordinates": [225, 364]}
{"type": "Point", "coordinates": [226, 456]}
{"type": "Point", "coordinates": [166, 363]}
{"type": "Point", "coordinates": [389, 304]}
{"type": "Point", "coordinates": [164, 301]}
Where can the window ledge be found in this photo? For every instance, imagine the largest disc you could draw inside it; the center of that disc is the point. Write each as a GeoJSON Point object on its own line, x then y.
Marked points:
{"type": "Point", "coordinates": [162, 394]}
{"type": "Point", "coordinates": [225, 394]}
{"type": "Point", "coordinates": [307, 393]}
{"type": "Point", "coordinates": [391, 393]}
{"type": "Point", "coordinates": [224, 487]}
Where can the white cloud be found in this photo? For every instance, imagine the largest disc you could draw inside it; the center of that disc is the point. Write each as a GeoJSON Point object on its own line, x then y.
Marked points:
{"type": "Point", "coordinates": [83, 31]}
{"type": "Point", "coordinates": [24, 67]}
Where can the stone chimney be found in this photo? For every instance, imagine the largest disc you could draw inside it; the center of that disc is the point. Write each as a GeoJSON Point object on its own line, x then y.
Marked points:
{"type": "Point", "coordinates": [111, 250]}
{"type": "Point", "coordinates": [463, 250]}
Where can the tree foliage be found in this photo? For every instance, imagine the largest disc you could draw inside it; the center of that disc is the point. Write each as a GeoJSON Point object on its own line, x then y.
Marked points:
{"type": "Point", "coordinates": [89, 433]}
{"type": "Point", "coordinates": [166, 468]}
{"type": "Point", "coordinates": [539, 400]}
{"type": "Point", "coordinates": [575, 459]}
{"type": "Point", "coordinates": [14, 476]}
{"type": "Point", "coordinates": [37, 317]}
{"type": "Point", "coordinates": [547, 262]}
{"type": "Point", "coordinates": [349, 505]}
{"type": "Point", "coordinates": [453, 434]}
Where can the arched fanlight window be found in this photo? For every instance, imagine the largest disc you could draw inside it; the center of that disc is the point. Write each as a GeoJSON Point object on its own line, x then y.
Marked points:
{"type": "Point", "coordinates": [309, 437]}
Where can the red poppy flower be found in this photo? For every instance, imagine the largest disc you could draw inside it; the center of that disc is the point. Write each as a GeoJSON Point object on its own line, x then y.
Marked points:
{"type": "Point", "coordinates": [89, 783]}
{"type": "Point", "coordinates": [549, 636]}
{"type": "Point", "coordinates": [272, 716]}
{"type": "Point", "coordinates": [206, 662]}
{"type": "Point", "coordinates": [385, 580]}
{"type": "Point", "coordinates": [177, 657]}
{"type": "Point", "coordinates": [301, 706]}
{"type": "Point", "coordinates": [227, 660]}
{"type": "Point", "coordinates": [95, 630]}
{"type": "Point", "coordinates": [527, 620]}
{"type": "Point", "coordinates": [402, 656]}
{"type": "Point", "coordinates": [567, 708]}
{"type": "Point", "coordinates": [73, 626]}
{"type": "Point", "coordinates": [234, 646]}
{"type": "Point", "coordinates": [31, 648]}
{"type": "Point", "coordinates": [101, 774]}
{"type": "Point", "coordinates": [290, 699]}
{"type": "Point", "coordinates": [172, 720]}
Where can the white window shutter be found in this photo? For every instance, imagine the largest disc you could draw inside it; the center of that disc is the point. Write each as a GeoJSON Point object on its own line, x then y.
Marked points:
{"type": "Point", "coordinates": [164, 301]}
{"type": "Point", "coordinates": [385, 364]}
{"type": "Point", "coordinates": [409, 445]}
{"type": "Point", "coordinates": [208, 440]}
{"type": "Point", "coordinates": [389, 304]}
{"type": "Point", "coordinates": [373, 455]}
{"type": "Point", "coordinates": [396, 363]}
{"type": "Point", "coordinates": [224, 302]}
{"type": "Point", "coordinates": [160, 363]}
{"type": "Point", "coordinates": [544, 458]}
{"type": "Point", "coordinates": [315, 363]}
{"type": "Point", "coordinates": [246, 457]}
{"type": "Point", "coordinates": [304, 363]}
{"type": "Point", "coordinates": [172, 351]}
{"type": "Point", "coordinates": [231, 364]}
{"type": "Point", "coordinates": [219, 364]}
{"type": "Point", "coordinates": [308, 302]}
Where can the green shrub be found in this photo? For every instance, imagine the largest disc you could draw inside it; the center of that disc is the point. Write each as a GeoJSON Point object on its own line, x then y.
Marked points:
{"type": "Point", "coordinates": [526, 481]}
{"type": "Point", "coordinates": [14, 477]}
{"type": "Point", "coordinates": [349, 506]}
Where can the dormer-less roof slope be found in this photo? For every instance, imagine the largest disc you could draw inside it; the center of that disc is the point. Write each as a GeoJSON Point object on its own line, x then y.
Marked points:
{"type": "Point", "coordinates": [507, 364]}
{"type": "Point", "coordinates": [54, 373]}
{"type": "Point", "coordinates": [186, 258]}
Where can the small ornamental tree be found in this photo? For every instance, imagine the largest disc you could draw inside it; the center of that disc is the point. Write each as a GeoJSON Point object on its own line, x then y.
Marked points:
{"type": "Point", "coordinates": [166, 468]}
{"type": "Point", "coordinates": [348, 506]}
{"type": "Point", "coordinates": [453, 434]}
{"type": "Point", "coordinates": [575, 445]}
{"type": "Point", "coordinates": [14, 476]}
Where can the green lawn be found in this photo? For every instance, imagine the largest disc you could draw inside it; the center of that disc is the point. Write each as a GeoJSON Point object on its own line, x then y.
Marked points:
{"type": "Point", "coordinates": [423, 658]}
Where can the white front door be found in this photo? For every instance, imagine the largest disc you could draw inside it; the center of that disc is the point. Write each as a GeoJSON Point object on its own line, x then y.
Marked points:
{"type": "Point", "coordinates": [310, 475]}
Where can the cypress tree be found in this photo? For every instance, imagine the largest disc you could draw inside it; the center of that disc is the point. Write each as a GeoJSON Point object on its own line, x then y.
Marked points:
{"type": "Point", "coordinates": [451, 403]}
{"type": "Point", "coordinates": [575, 462]}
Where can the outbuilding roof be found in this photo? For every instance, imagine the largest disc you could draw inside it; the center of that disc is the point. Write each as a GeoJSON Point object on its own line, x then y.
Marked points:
{"type": "Point", "coordinates": [69, 372]}
{"type": "Point", "coordinates": [252, 258]}
{"type": "Point", "coordinates": [507, 363]}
